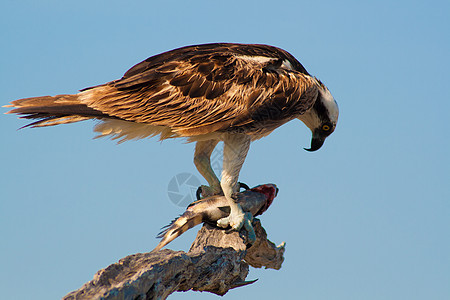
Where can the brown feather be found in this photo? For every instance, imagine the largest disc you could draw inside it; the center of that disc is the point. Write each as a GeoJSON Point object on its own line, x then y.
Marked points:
{"type": "Point", "coordinates": [195, 90]}
{"type": "Point", "coordinates": [60, 109]}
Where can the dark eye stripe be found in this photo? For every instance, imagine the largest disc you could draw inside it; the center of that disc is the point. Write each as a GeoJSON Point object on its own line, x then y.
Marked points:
{"type": "Point", "coordinates": [322, 111]}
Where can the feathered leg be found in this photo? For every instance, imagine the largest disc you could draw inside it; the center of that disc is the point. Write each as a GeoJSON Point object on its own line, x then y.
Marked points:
{"type": "Point", "coordinates": [202, 160]}
{"type": "Point", "coordinates": [234, 152]}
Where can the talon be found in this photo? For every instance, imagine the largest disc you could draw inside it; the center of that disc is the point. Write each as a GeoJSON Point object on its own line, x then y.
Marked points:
{"type": "Point", "coordinates": [229, 230]}
{"type": "Point", "coordinates": [243, 186]}
{"type": "Point", "coordinates": [204, 191]}
{"type": "Point", "coordinates": [198, 193]}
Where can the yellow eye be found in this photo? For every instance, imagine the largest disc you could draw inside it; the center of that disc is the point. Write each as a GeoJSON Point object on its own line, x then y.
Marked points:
{"type": "Point", "coordinates": [326, 127]}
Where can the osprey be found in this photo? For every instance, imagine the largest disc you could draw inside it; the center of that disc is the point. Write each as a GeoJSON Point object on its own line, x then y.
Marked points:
{"type": "Point", "coordinates": [235, 93]}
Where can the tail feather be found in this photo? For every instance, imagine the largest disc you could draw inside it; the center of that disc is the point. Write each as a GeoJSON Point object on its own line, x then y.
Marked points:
{"type": "Point", "coordinates": [53, 110]}
{"type": "Point", "coordinates": [44, 101]}
{"type": "Point", "coordinates": [52, 121]}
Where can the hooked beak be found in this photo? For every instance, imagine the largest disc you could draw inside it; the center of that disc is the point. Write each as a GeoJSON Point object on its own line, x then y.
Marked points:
{"type": "Point", "coordinates": [317, 141]}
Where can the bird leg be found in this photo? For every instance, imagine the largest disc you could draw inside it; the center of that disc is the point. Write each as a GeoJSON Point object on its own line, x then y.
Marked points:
{"type": "Point", "coordinates": [234, 152]}
{"type": "Point", "coordinates": [202, 160]}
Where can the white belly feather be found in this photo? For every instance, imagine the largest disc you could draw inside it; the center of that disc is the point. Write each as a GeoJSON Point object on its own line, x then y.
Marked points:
{"type": "Point", "coordinates": [124, 131]}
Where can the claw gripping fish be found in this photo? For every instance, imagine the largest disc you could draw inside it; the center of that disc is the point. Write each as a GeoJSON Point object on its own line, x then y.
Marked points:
{"type": "Point", "coordinates": [254, 201]}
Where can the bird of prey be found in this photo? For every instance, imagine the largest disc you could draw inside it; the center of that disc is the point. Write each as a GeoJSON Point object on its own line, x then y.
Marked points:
{"type": "Point", "coordinates": [254, 202]}
{"type": "Point", "coordinates": [235, 93]}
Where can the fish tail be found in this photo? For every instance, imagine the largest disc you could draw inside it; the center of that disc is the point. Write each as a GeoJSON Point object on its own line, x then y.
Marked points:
{"type": "Point", "coordinates": [177, 227]}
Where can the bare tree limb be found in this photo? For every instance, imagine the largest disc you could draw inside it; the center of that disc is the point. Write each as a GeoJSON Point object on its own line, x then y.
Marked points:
{"type": "Point", "coordinates": [217, 262]}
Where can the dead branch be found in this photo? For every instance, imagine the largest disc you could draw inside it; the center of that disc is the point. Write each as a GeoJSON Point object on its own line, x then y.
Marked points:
{"type": "Point", "coordinates": [217, 262]}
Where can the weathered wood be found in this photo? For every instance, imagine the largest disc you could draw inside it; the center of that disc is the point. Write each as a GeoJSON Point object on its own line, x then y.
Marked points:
{"type": "Point", "coordinates": [217, 262]}
{"type": "Point", "coordinates": [264, 253]}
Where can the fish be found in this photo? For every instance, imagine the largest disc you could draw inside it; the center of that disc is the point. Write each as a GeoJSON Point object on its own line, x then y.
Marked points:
{"type": "Point", "coordinates": [254, 201]}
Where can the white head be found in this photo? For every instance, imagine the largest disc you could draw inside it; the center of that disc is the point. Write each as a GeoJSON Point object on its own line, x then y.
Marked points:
{"type": "Point", "coordinates": [321, 118]}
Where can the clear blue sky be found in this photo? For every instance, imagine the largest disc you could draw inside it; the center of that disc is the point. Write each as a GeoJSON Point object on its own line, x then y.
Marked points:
{"type": "Point", "coordinates": [366, 217]}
